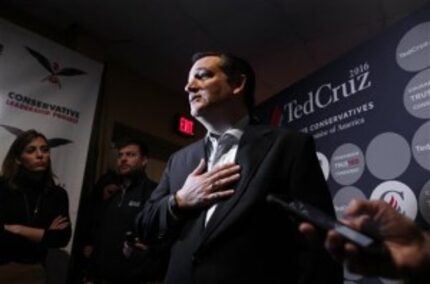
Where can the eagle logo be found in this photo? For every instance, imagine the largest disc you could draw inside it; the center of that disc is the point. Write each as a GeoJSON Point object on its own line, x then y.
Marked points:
{"type": "Point", "coordinates": [52, 142]}
{"type": "Point", "coordinates": [54, 68]}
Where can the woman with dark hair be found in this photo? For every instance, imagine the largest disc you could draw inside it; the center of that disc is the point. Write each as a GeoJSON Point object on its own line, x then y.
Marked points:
{"type": "Point", "coordinates": [34, 211]}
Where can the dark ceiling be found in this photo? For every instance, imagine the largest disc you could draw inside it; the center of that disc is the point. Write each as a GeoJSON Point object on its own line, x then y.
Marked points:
{"type": "Point", "coordinates": [285, 40]}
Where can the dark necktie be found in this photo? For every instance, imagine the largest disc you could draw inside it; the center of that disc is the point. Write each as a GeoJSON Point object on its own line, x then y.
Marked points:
{"type": "Point", "coordinates": [225, 143]}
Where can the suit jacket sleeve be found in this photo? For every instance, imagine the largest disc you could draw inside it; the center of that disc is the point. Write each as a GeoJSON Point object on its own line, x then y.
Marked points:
{"type": "Point", "coordinates": [155, 223]}
{"type": "Point", "coordinates": [308, 184]}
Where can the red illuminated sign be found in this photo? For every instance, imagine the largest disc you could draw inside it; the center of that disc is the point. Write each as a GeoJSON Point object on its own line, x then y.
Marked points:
{"type": "Point", "coordinates": [185, 125]}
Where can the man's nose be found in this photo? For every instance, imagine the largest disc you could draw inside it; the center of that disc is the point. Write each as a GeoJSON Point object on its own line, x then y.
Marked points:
{"type": "Point", "coordinates": [191, 86]}
{"type": "Point", "coordinates": [118, 159]}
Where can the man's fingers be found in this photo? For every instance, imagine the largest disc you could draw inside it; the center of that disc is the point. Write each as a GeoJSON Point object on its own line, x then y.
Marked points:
{"type": "Point", "coordinates": [220, 173]}
{"type": "Point", "coordinates": [140, 246]}
{"type": "Point", "coordinates": [335, 243]}
{"type": "Point", "coordinates": [308, 230]}
{"type": "Point", "coordinates": [223, 166]}
{"type": "Point", "coordinates": [217, 196]}
{"type": "Point", "coordinates": [222, 194]}
{"type": "Point", "coordinates": [359, 262]}
{"type": "Point", "coordinates": [361, 207]}
{"type": "Point", "coordinates": [220, 184]}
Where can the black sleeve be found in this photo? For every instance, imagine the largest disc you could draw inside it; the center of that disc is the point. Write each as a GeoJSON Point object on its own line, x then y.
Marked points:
{"type": "Point", "coordinates": [155, 223]}
{"type": "Point", "coordinates": [59, 238]}
{"type": "Point", "coordinates": [308, 184]}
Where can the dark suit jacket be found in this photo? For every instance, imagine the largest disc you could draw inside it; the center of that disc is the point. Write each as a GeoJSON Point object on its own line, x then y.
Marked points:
{"type": "Point", "coordinates": [246, 239]}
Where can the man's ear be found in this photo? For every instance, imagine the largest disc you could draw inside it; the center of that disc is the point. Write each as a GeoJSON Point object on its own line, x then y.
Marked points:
{"type": "Point", "coordinates": [239, 84]}
{"type": "Point", "coordinates": [145, 161]}
{"type": "Point", "coordinates": [18, 162]}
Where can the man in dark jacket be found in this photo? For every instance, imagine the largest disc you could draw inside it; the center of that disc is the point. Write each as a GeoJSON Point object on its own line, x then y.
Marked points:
{"type": "Point", "coordinates": [119, 256]}
{"type": "Point", "coordinates": [211, 201]}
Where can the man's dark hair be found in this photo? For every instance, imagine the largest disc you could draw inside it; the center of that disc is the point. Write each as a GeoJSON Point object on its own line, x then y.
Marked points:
{"type": "Point", "coordinates": [233, 67]}
{"type": "Point", "coordinates": [143, 148]}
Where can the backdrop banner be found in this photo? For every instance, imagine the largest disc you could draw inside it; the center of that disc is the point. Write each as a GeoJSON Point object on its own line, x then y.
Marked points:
{"type": "Point", "coordinates": [52, 89]}
{"type": "Point", "coordinates": [369, 113]}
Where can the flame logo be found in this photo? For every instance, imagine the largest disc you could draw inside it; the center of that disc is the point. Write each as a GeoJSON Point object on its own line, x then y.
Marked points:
{"type": "Point", "coordinates": [393, 201]}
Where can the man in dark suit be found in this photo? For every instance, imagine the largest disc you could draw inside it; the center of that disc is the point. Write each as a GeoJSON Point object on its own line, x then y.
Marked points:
{"type": "Point", "coordinates": [211, 199]}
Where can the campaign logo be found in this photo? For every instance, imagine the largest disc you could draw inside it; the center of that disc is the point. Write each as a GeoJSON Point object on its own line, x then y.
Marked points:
{"type": "Point", "coordinates": [52, 142]}
{"type": "Point", "coordinates": [347, 164]}
{"type": "Point", "coordinates": [54, 68]}
{"type": "Point", "coordinates": [343, 197]}
{"type": "Point", "coordinates": [380, 159]}
{"type": "Point", "coordinates": [399, 196]}
{"type": "Point", "coordinates": [413, 50]}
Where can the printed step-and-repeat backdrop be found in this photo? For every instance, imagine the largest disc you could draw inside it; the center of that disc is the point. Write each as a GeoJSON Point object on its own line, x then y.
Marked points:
{"type": "Point", "coordinates": [369, 113]}
{"type": "Point", "coordinates": [52, 89]}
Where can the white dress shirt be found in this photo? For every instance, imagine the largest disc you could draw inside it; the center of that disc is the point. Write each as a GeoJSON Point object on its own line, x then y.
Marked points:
{"type": "Point", "coordinates": [226, 157]}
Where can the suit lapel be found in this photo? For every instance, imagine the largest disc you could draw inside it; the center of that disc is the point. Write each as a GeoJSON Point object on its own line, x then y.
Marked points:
{"type": "Point", "coordinates": [198, 152]}
{"type": "Point", "coordinates": [252, 149]}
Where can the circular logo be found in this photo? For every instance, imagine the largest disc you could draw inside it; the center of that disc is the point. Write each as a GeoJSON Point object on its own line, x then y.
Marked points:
{"type": "Point", "coordinates": [343, 197]}
{"type": "Point", "coordinates": [325, 167]}
{"type": "Point", "coordinates": [388, 155]}
{"type": "Point", "coordinates": [398, 195]}
{"type": "Point", "coordinates": [421, 146]}
{"type": "Point", "coordinates": [347, 164]}
{"type": "Point", "coordinates": [416, 97]}
{"type": "Point", "coordinates": [424, 202]}
{"type": "Point", "coordinates": [413, 50]}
